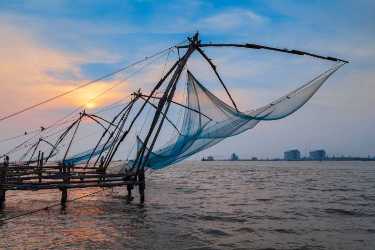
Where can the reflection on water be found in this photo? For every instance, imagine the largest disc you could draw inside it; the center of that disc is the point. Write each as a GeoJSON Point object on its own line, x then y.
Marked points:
{"type": "Point", "coordinates": [210, 205]}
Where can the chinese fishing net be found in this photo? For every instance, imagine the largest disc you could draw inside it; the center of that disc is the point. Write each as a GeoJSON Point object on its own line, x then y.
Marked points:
{"type": "Point", "coordinates": [207, 120]}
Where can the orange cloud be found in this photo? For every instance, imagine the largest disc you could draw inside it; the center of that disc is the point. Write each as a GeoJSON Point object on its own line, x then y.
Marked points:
{"type": "Point", "coordinates": [24, 74]}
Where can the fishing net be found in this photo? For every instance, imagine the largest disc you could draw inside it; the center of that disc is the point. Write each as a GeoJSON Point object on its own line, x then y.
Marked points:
{"type": "Point", "coordinates": [86, 155]}
{"type": "Point", "coordinates": [208, 120]}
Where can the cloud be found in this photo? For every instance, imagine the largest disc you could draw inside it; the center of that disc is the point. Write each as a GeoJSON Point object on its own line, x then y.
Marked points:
{"type": "Point", "coordinates": [24, 62]}
{"type": "Point", "coordinates": [43, 55]}
{"type": "Point", "coordinates": [26, 78]}
{"type": "Point", "coordinates": [232, 19]}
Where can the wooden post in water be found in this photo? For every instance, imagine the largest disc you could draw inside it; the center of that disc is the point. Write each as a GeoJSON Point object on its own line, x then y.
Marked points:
{"type": "Point", "coordinates": [66, 166]}
{"type": "Point", "coordinates": [64, 190]}
{"type": "Point", "coordinates": [101, 170]}
{"type": "Point", "coordinates": [3, 176]}
{"type": "Point", "coordinates": [64, 196]}
{"type": "Point", "coordinates": [38, 161]}
{"type": "Point", "coordinates": [129, 188]}
{"type": "Point", "coordinates": [141, 185]}
{"type": "Point", "coordinates": [40, 167]}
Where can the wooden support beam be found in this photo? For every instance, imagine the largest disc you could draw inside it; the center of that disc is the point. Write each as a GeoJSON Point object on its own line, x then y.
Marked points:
{"type": "Point", "coordinates": [24, 167]}
{"type": "Point", "coordinates": [49, 183]}
{"type": "Point", "coordinates": [257, 46]}
{"type": "Point", "coordinates": [35, 187]}
{"type": "Point", "coordinates": [3, 179]}
{"type": "Point", "coordinates": [57, 176]}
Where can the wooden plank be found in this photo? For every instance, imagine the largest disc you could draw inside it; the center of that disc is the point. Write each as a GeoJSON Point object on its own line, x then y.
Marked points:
{"type": "Point", "coordinates": [35, 187]}
{"type": "Point", "coordinates": [57, 175]}
{"type": "Point", "coordinates": [62, 182]}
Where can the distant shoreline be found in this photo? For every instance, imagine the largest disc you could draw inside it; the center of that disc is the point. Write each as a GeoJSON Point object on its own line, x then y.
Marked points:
{"type": "Point", "coordinates": [337, 159]}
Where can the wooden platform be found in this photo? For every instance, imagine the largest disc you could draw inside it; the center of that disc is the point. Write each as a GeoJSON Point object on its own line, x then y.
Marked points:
{"type": "Point", "coordinates": [33, 177]}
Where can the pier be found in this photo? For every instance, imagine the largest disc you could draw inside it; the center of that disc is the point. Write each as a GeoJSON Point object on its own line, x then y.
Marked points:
{"type": "Point", "coordinates": [40, 176]}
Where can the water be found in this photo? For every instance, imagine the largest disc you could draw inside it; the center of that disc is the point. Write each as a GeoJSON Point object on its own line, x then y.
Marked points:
{"type": "Point", "coordinates": [210, 205]}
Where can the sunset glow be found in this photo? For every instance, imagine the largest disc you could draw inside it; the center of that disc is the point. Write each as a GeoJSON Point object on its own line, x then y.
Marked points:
{"type": "Point", "coordinates": [91, 105]}
{"type": "Point", "coordinates": [39, 63]}
{"type": "Point", "coordinates": [138, 124]}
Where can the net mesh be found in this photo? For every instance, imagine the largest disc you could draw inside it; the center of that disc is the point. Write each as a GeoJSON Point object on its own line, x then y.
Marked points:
{"type": "Point", "coordinates": [86, 155]}
{"type": "Point", "coordinates": [207, 120]}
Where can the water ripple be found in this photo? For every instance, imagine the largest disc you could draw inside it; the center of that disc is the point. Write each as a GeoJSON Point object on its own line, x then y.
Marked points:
{"type": "Point", "coordinates": [210, 205]}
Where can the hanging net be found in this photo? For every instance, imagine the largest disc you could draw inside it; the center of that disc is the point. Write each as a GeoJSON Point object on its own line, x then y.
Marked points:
{"type": "Point", "coordinates": [86, 155]}
{"type": "Point", "coordinates": [207, 120]}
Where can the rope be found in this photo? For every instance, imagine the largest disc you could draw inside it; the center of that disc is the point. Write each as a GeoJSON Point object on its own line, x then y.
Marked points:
{"type": "Point", "coordinates": [92, 99]}
{"type": "Point", "coordinates": [50, 206]}
{"type": "Point", "coordinates": [84, 85]}
{"type": "Point", "coordinates": [103, 92]}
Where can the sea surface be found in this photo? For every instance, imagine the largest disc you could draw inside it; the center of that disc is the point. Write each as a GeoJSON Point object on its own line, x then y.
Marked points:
{"type": "Point", "coordinates": [209, 205]}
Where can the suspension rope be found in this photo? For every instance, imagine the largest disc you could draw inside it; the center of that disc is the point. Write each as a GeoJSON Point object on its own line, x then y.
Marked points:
{"type": "Point", "coordinates": [6, 117]}
{"type": "Point", "coordinates": [155, 57]}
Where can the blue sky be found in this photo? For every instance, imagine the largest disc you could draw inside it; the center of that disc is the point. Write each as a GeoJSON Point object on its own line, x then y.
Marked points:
{"type": "Point", "coordinates": [73, 41]}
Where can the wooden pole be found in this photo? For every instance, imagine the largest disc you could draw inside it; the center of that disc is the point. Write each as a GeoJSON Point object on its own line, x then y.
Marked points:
{"type": "Point", "coordinates": [164, 103]}
{"type": "Point", "coordinates": [111, 154]}
{"type": "Point", "coordinates": [141, 185]}
{"type": "Point", "coordinates": [129, 188]}
{"type": "Point", "coordinates": [213, 66]}
{"type": "Point", "coordinates": [38, 161]}
{"type": "Point", "coordinates": [3, 175]}
{"type": "Point", "coordinates": [258, 46]}
{"type": "Point", "coordinates": [64, 196]}
{"type": "Point", "coordinates": [64, 190]}
{"type": "Point", "coordinates": [40, 169]}
{"type": "Point", "coordinates": [74, 134]}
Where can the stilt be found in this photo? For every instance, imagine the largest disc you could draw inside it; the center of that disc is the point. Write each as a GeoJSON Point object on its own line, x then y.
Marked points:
{"type": "Point", "coordinates": [3, 174]}
{"type": "Point", "coordinates": [2, 181]}
{"type": "Point", "coordinates": [129, 187]}
{"type": "Point", "coordinates": [40, 166]}
{"type": "Point", "coordinates": [64, 196]}
{"type": "Point", "coordinates": [101, 169]}
{"type": "Point", "coordinates": [2, 198]}
{"type": "Point", "coordinates": [66, 180]}
{"type": "Point", "coordinates": [141, 185]}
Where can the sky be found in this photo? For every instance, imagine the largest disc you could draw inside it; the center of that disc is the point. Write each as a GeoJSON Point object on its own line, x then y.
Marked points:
{"type": "Point", "coordinates": [48, 47]}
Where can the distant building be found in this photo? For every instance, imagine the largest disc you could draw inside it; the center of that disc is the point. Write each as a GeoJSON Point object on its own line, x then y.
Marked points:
{"type": "Point", "coordinates": [209, 158]}
{"type": "Point", "coordinates": [234, 157]}
{"type": "Point", "coordinates": [318, 155]}
{"type": "Point", "coordinates": [292, 155]}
